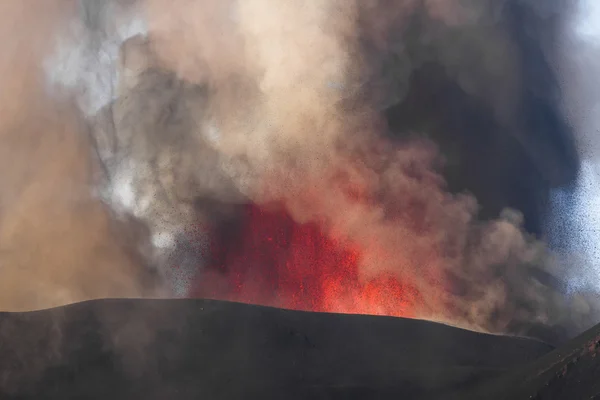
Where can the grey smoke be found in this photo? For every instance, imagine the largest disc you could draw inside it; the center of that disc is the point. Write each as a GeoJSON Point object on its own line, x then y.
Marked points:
{"type": "Point", "coordinates": [86, 55]}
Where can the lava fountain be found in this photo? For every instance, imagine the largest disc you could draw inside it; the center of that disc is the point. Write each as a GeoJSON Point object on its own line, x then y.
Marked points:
{"type": "Point", "coordinates": [269, 259]}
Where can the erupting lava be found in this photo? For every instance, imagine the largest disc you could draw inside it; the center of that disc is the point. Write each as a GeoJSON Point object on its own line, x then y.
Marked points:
{"type": "Point", "coordinates": [269, 259]}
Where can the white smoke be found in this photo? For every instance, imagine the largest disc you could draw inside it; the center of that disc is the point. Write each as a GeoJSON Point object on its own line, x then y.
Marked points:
{"type": "Point", "coordinates": [87, 52]}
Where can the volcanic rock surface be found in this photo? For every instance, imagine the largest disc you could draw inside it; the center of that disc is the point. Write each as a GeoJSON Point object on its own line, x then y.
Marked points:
{"type": "Point", "coordinates": [189, 349]}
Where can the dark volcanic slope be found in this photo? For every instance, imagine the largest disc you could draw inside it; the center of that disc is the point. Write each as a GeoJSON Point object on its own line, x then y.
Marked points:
{"type": "Point", "coordinates": [189, 349]}
{"type": "Point", "coordinates": [569, 372]}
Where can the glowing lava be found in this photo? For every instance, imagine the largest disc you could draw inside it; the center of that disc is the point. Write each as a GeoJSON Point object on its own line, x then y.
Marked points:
{"type": "Point", "coordinates": [268, 259]}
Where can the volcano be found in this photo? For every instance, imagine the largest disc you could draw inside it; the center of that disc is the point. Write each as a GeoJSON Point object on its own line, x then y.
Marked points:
{"type": "Point", "coordinates": [190, 349]}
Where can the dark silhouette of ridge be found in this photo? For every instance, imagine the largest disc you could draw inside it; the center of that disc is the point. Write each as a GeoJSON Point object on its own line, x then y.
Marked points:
{"type": "Point", "coordinates": [190, 349]}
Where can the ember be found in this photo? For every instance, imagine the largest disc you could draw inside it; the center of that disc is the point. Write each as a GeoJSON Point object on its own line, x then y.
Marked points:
{"type": "Point", "coordinates": [269, 259]}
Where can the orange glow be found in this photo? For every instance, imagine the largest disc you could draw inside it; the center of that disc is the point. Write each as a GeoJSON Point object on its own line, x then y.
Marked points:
{"type": "Point", "coordinates": [271, 260]}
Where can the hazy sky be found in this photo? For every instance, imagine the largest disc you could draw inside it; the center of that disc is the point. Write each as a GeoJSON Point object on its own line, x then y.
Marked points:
{"type": "Point", "coordinates": [582, 89]}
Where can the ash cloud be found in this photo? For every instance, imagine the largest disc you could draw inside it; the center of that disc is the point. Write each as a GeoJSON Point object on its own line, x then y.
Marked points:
{"type": "Point", "coordinates": [295, 98]}
{"type": "Point", "coordinates": [281, 101]}
{"type": "Point", "coordinates": [58, 242]}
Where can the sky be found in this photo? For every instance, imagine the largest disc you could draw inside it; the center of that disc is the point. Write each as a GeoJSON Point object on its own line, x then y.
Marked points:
{"type": "Point", "coordinates": [580, 207]}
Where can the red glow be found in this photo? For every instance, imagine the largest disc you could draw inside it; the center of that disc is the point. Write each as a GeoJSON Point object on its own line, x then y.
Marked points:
{"type": "Point", "coordinates": [269, 259]}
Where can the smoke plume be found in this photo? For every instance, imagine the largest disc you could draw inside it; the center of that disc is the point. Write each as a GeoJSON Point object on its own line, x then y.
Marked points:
{"type": "Point", "coordinates": [58, 243]}
{"type": "Point", "coordinates": [268, 101]}
{"type": "Point", "coordinates": [294, 119]}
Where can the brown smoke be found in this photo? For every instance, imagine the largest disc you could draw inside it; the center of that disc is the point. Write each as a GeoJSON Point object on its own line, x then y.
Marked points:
{"type": "Point", "coordinates": [57, 243]}
{"type": "Point", "coordinates": [307, 135]}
